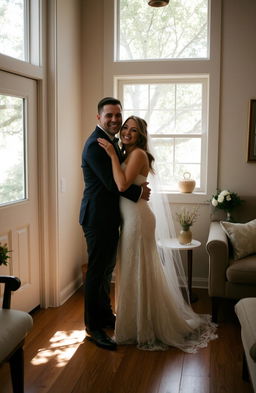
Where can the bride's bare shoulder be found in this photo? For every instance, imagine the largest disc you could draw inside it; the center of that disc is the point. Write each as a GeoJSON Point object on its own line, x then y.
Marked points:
{"type": "Point", "coordinates": [138, 152]}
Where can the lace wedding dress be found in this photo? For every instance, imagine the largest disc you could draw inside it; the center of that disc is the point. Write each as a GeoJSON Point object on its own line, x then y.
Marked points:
{"type": "Point", "coordinates": [151, 311]}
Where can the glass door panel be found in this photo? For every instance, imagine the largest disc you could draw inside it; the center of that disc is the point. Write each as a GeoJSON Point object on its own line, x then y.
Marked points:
{"type": "Point", "coordinates": [12, 149]}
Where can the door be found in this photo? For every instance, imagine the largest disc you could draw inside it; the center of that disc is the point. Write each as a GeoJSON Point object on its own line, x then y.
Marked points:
{"type": "Point", "coordinates": [19, 186]}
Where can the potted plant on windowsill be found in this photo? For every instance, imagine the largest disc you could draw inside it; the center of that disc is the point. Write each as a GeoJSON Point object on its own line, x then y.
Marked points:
{"type": "Point", "coordinates": [4, 254]}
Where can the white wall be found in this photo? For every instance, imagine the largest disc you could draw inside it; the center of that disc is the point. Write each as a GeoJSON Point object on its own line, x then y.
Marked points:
{"type": "Point", "coordinates": [92, 61]}
{"type": "Point", "coordinates": [238, 81]}
{"type": "Point", "coordinates": [70, 241]}
{"type": "Point", "coordinates": [238, 86]}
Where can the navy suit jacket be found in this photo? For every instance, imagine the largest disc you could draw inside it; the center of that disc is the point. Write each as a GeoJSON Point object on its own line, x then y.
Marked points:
{"type": "Point", "coordinates": [100, 202]}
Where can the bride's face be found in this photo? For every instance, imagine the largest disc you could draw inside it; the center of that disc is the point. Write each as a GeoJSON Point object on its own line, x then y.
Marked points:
{"type": "Point", "coordinates": [129, 133]}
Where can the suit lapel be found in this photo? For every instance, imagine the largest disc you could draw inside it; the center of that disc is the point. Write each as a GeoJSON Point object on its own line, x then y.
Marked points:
{"type": "Point", "coordinates": [102, 134]}
{"type": "Point", "coordinates": [118, 151]}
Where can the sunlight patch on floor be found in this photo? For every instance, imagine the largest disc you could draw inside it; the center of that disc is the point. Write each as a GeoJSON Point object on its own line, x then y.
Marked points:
{"type": "Point", "coordinates": [62, 346]}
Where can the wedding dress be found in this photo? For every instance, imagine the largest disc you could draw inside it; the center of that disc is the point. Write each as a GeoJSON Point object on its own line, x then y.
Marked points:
{"type": "Point", "coordinates": [151, 311]}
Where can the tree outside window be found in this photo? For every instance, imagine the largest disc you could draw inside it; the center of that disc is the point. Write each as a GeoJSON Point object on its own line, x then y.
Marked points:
{"type": "Point", "coordinates": [12, 28]}
{"type": "Point", "coordinates": [177, 31]}
{"type": "Point", "coordinates": [12, 153]}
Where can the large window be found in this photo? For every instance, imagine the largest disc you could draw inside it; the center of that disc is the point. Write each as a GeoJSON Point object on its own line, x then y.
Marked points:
{"type": "Point", "coordinates": [164, 64]}
{"type": "Point", "coordinates": [176, 112]}
{"type": "Point", "coordinates": [177, 31]}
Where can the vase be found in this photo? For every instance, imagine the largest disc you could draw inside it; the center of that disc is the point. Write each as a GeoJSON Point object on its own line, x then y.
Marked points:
{"type": "Point", "coordinates": [229, 217]}
{"type": "Point", "coordinates": [185, 235]}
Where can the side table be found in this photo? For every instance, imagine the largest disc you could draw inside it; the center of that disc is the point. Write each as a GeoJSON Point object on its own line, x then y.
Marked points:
{"type": "Point", "coordinates": [174, 244]}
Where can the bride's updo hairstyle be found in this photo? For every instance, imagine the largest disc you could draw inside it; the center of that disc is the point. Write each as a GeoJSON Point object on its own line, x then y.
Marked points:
{"type": "Point", "coordinates": [142, 141]}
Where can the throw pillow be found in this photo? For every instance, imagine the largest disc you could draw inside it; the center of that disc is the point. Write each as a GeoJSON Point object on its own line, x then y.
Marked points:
{"type": "Point", "coordinates": [242, 237]}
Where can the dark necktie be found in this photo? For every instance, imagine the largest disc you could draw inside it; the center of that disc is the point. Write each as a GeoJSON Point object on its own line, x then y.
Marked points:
{"type": "Point", "coordinates": [118, 150]}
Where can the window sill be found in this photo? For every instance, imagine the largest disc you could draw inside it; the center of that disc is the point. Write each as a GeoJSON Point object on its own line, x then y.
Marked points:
{"type": "Point", "coordinates": [187, 198]}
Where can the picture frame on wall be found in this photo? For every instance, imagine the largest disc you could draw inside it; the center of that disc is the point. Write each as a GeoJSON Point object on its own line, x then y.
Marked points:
{"type": "Point", "coordinates": [251, 157]}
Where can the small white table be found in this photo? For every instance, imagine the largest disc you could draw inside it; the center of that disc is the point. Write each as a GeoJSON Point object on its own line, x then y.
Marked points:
{"type": "Point", "coordinates": [174, 244]}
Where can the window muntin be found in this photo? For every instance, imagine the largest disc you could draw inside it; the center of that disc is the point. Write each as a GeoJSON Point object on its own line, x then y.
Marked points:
{"type": "Point", "coordinates": [13, 24]}
{"type": "Point", "coordinates": [177, 31]}
{"type": "Point", "coordinates": [12, 149]}
{"type": "Point", "coordinates": [176, 113]}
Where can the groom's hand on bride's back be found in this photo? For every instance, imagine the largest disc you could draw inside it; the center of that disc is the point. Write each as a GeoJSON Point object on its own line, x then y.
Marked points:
{"type": "Point", "coordinates": [145, 191]}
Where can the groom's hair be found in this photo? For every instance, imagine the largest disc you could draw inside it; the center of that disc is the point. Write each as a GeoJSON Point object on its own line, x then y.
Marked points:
{"type": "Point", "coordinates": [108, 101]}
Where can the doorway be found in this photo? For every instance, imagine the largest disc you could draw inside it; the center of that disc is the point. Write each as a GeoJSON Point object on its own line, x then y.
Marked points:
{"type": "Point", "coordinates": [19, 224]}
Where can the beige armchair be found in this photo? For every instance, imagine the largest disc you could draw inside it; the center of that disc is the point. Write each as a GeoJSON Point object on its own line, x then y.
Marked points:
{"type": "Point", "coordinates": [14, 326]}
{"type": "Point", "coordinates": [245, 310]}
{"type": "Point", "coordinates": [228, 277]}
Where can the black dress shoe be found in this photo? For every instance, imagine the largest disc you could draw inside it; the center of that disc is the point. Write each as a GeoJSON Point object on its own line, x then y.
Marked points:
{"type": "Point", "coordinates": [101, 339]}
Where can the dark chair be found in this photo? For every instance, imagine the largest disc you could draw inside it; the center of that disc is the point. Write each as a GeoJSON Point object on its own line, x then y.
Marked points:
{"type": "Point", "coordinates": [14, 326]}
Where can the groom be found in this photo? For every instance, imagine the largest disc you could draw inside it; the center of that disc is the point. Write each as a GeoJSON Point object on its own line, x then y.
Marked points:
{"type": "Point", "coordinates": [100, 220]}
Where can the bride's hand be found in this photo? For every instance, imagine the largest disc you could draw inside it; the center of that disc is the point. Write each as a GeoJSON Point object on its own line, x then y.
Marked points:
{"type": "Point", "coordinates": [107, 146]}
{"type": "Point", "coordinates": [145, 191]}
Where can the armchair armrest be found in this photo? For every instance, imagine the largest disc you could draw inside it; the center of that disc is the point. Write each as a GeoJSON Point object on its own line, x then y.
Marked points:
{"type": "Point", "coordinates": [11, 284]}
{"type": "Point", "coordinates": [218, 251]}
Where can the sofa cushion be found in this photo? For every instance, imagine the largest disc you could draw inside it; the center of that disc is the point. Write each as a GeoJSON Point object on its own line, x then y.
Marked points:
{"type": "Point", "coordinates": [242, 237]}
{"type": "Point", "coordinates": [242, 271]}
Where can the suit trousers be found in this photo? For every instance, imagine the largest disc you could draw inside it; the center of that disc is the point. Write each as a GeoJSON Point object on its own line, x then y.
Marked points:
{"type": "Point", "coordinates": [101, 249]}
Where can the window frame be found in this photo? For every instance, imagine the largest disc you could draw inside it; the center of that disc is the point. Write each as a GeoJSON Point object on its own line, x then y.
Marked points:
{"type": "Point", "coordinates": [117, 46]}
{"type": "Point", "coordinates": [136, 69]}
{"type": "Point", "coordinates": [33, 66]}
{"type": "Point", "coordinates": [120, 82]}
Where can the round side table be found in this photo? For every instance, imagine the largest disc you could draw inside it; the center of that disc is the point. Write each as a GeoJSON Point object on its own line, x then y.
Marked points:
{"type": "Point", "coordinates": [174, 244]}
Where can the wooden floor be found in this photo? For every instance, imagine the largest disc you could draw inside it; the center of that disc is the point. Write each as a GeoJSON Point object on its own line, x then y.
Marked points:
{"type": "Point", "coordinates": [58, 360]}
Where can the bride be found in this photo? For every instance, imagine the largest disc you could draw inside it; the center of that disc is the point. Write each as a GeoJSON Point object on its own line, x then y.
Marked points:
{"type": "Point", "coordinates": [151, 309]}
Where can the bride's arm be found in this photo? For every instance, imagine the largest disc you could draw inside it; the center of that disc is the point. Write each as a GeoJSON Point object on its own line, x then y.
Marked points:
{"type": "Point", "coordinates": [124, 177]}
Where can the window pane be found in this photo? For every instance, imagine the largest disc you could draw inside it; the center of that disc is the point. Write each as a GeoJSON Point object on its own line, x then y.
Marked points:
{"type": "Point", "coordinates": [188, 158]}
{"type": "Point", "coordinates": [177, 31]}
{"type": "Point", "coordinates": [164, 156]}
{"type": "Point", "coordinates": [174, 113]}
{"type": "Point", "coordinates": [193, 169]}
{"type": "Point", "coordinates": [136, 96]}
{"type": "Point", "coordinates": [188, 108]}
{"type": "Point", "coordinates": [169, 108]}
{"type": "Point", "coordinates": [162, 122]}
{"type": "Point", "coordinates": [174, 157]}
{"type": "Point", "coordinates": [188, 150]}
{"type": "Point", "coordinates": [12, 35]}
{"type": "Point", "coordinates": [12, 154]}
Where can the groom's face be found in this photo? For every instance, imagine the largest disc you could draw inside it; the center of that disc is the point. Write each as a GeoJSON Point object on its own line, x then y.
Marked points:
{"type": "Point", "coordinates": [110, 118]}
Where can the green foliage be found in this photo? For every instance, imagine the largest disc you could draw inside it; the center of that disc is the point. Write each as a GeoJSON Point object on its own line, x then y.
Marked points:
{"type": "Point", "coordinates": [13, 188]}
{"type": "Point", "coordinates": [4, 254]}
{"type": "Point", "coordinates": [12, 28]}
{"type": "Point", "coordinates": [178, 30]}
{"type": "Point", "coordinates": [226, 200]}
{"type": "Point", "coordinates": [11, 149]}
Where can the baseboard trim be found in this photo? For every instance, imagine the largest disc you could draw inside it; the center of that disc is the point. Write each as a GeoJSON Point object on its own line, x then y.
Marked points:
{"type": "Point", "coordinates": [70, 289]}
{"type": "Point", "coordinates": [200, 282]}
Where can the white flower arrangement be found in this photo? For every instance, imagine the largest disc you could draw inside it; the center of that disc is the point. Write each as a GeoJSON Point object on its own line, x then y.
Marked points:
{"type": "Point", "coordinates": [225, 200]}
{"type": "Point", "coordinates": [186, 217]}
